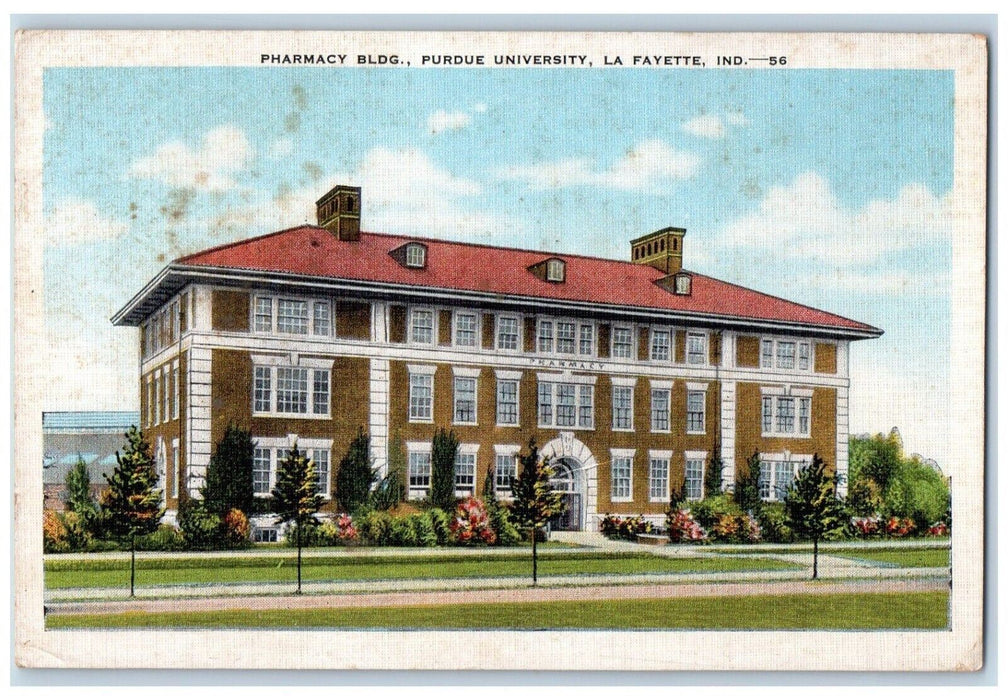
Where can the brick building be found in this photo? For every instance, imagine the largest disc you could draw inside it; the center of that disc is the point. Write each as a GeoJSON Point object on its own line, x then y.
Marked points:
{"type": "Point", "coordinates": [632, 374]}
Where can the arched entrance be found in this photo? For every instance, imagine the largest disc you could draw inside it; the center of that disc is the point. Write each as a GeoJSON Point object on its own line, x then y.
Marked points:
{"type": "Point", "coordinates": [567, 480]}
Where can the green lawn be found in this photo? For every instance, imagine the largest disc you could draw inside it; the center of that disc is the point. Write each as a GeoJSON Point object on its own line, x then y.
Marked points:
{"type": "Point", "coordinates": [806, 611]}
{"type": "Point", "coordinates": [909, 558]}
{"type": "Point", "coordinates": [108, 573]}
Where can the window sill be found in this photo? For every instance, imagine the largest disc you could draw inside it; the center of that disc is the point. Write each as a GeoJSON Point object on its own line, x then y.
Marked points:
{"type": "Point", "coordinates": [425, 421]}
{"type": "Point", "coordinates": [622, 430]}
{"type": "Point", "coordinates": [621, 500]}
{"type": "Point", "coordinates": [660, 432]}
{"type": "Point", "coordinates": [467, 423]}
{"type": "Point", "coordinates": [300, 416]}
{"type": "Point", "coordinates": [696, 432]}
{"type": "Point", "coordinates": [789, 436]}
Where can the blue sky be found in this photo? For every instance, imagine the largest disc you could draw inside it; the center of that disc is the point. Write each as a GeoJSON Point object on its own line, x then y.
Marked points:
{"type": "Point", "coordinates": [827, 187]}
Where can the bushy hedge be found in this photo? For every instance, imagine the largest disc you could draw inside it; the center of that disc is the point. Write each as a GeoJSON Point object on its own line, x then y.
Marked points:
{"type": "Point", "coordinates": [618, 528]}
{"type": "Point", "coordinates": [773, 524]}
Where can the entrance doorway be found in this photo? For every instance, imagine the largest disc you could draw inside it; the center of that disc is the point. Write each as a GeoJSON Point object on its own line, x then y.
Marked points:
{"type": "Point", "coordinates": [567, 480]}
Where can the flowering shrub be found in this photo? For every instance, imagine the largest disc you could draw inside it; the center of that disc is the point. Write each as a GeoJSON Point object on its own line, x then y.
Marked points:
{"type": "Point", "coordinates": [899, 527]}
{"type": "Point", "coordinates": [54, 533]}
{"type": "Point", "coordinates": [733, 527]}
{"type": "Point", "coordinates": [867, 527]}
{"type": "Point", "coordinates": [683, 528]}
{"type": "Point", "coordinates": [471, 524]}
{"type": "Point", "coordinates": [939, 529]}
{"type": "Point", "coordinates": [236, 528]}
{"type": "Point", "coordinates": [615, 527]}
{"type": "Point", "coordinates": [345, 529]}
{"type": "Point", "coordinates": [749, 529]}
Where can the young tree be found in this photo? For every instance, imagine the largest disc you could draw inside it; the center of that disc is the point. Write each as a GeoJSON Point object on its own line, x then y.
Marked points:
{"type": "Point", "coordinates": [747, 485]}
{"type": "Point", "coordinates": [535, 502]}
{"type": "Point", "coordinates": [229, 474]}
{"type": "Point", "coordinates": [812, 508]}
{"type": "Point", "coordinates": [442, 483]}
{"type": "Point", "coordinates": [78, 486]}
{"type": "Point", "coordinates": [712, 477]}
{"type": "Point", "coordinates": [355, 476]}
{"type": "Point", "coordinates": [132, 505]}
{"type": "Point", "coordinates": [294, 497]}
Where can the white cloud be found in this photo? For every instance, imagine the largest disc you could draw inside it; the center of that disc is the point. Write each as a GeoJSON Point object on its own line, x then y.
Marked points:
{"type": "Point", "coordinates": [222, 152]}
{"type": "Point", "coordinates": [403, 192]}
{"type": "Point", "coordinates": [736, 119]}
{"type": "Point", "coordinates": [79, 221]}
{"type": "Point", "coordinates": [480, 107]}
{"type": "Point", "coordinates": [643, 166]}
{"type": "Point", "coordinates": [281, 148]}
{"type": "Point", "coordinates": [708, 126]}
{"type": "Point", "coordinates": [805, 220]}
{"type": "Point", "coordinates": [447, 121]}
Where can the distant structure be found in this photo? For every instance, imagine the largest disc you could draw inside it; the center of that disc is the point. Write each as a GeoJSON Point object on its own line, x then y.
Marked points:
{"type": "Point", "coordinates": [93, 436]}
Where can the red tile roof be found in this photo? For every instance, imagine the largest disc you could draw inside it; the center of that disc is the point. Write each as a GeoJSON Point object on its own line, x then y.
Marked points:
{"type": "Point", "coordinates": [315, 252]}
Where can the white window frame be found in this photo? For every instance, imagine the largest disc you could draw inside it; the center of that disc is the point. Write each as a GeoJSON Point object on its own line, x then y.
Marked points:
{"type": "Point", "coordinates": [556, 270]}
{"type": "Point", "coordinates": [434, 326]}
{"type": "Point", "coordinates": [418, 371]}
{"type": "Point", "coordinates": [175, 468]}
{"type": "Point", "coordinates": [705, 355]}
{"type": "Point", "coordinates": [271, 365]}
{"type": "Point", "coordinates": [769, 472]}
{"type": "Point", "coordinates": [469, 452]}
{"type": "Point", "coordinates": [772, 396]}
{"type": "Point", "coordinates": [651, 344]}
{"type": "Point", "coordinates": [274, 314]}
{"type": "Point", "coordinates": [514, 377]}
{"type": "Point", "coordinates": [175, 391]}
{"type": "Point", "coordinates": [554, 381]}
{"type": "Point", "coordinates": [620, 454]}
{"type": "Point", "coordinates": [554, 337]}
{"type": "Point", "coordinates": [693, 388]}
{"type": "Point", "coordinates": [631, 353]}
{"type": "Point", "coordinates": [157, 397]}
{"type": "Point", "coordinates": [773, 342]}
{"type": "Point", "coordinates": [166, 395]}
{"type": "Point", "coordinates": [659, 456]}
{"type": "Point", "coordinates": [420, 449]}
{"type": "Point", "coordinates": [274, 446]}
{"type": "Point", "coordinates": [476, 330]}
{"type": "Point", "coordinates": [460, 375]}
{"type": "Point", "coordinates": [664, 387]}
{"type": "Point", "coordinates": [416, 255]}
{"type": "Point", "coordinates": [694, 456]}
{"type": "Point", "coordinates": [623, 384]}
{"type": "Point", "coordinates": [517, 334]}
{"type": "Point", "coordinates": [505, 453]}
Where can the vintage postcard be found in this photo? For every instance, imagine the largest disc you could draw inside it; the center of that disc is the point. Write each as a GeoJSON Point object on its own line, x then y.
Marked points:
{"type": "Point", "coordinates": [388, 350]}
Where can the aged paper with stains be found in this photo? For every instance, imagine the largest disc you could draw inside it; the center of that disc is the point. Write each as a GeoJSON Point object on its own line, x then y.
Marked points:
{"type": "Point", "coordinates": [651, 252]}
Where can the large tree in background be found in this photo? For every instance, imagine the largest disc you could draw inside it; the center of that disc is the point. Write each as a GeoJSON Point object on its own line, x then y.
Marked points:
{"type": "Point", "coordinates": [712, 477]}
{"type": "Point", "coordinates": [132, 505]}
{"type": "Point", "coordinates": [229, 474]}
{"type": "Point", "coordinates": [812, 508]}
{"type": "Point", "coordinates": [535, 501]}
{"type": "Point", "coordinates": [442, 484]}
{"type": "Point", "coordinates": [78, 486]}
{"type": "Point", "coordinates": [355, 476]}
{"type": "Point", "coordinates": [294, 496]}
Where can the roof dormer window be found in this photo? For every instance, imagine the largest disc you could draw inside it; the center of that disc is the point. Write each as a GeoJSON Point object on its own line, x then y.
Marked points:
{"type": "Point", "coordinates": [555, 271]}
{"type": "Point", "coordinates": [683, 284]}
{"type": "Point", "coordinates": [416, 255]}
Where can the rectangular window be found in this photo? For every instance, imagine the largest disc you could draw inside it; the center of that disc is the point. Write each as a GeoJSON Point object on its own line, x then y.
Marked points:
{"type": "Point", "coordinates": [264, 534]}
{"type": "Point", "coordinates": [783, 476]}
{"type": "Point", "coordinates": [505, 471]}
{"type": "Point", "coordinates": [465, 473]}
{"type": "Point", "coordinates": [586, 406]}
{"type": "Point", "coordinates": [263, 402]}
{"type": "Point", "coordinates": [465, 399]}
{"type": "Point", "coordinates": [422, 327]}
{"type": "Point", "coordinates": [804, 356]}
{"type": "Point", "coordinates": [166, 409]}
{"type": "Point", "coordinates": [150, 401]}
{"type": "Point", "coordinates": [622, 408]}
{"type": "Point", "coordinates": [693, 485]}
{"type": "Point", "coordinates": [261, 467]}
{"type": "Point", "coordinates": [465, 330]}
{"type": "Point", "coordinates": [175, 393]}
{"type": "Point", "coordinates": [586, 342]}
{"type": "Point", "coordinates": [696, 348]}
{"type": "Point", "coordinates": [545, 403]}
{"type": "Point", "coordinates": [785, 355]}
{"type": "Point", "coordinates": [320, 392]}
{"type": "Point", "coordinates": [660, 403]}
{"type": "Point", "coordinates": [419, 471]}
{"type": "Point", "coordinates": [175, 469]}
{"type": "Point", "coordinates": [766, 472]}
{"type": "Point", "coordinates": [421, 397]}
{"type": "Point", "coordinates": [157, 399]}
{"type": "Point", "coordinates": [766, 354]}
{"type": "Point", "coordinates": [292, 316]}
{"type": "Point", "coordinates": [660, 345]}
{"type": "Point", "coordinates": [507, 402]}
{"type": "Point", "coordinates": [768, 414]}
{"type": "Point", "coordinates": [658, 475]}
{"type": "Point", "coordinates": [292, 390]}
{"type": "Point", "coordinates": [695, 411]}
{"type": "Point", "coordinates": [322, 319]}
{"type": "Point", "coordinates": [415, 256]}
{"type": "Point", "coordinates": [565, 337]}
{"type": "Point", "coordinates": [565, 405]}
{"type": "Point", "coordinates": [779, 415]}
{"type": "Point", "coordinates": [545, 336]}
{"type": "Point", "coordinates": [321, 460]}
{"type": "Point", "coordinates": [622, 478]}
{"type": "Point", "coordinates": [622, 342]}
{"type": "Point", "coordinates": [507, 333]}
{"type": "Point", "coordinates": [785, 414]}
{"type": "Point", "coordinates": [804, 412]}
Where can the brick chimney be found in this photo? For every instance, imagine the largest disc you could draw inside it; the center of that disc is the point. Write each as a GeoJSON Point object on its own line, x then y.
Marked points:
{"type": "Point", "coordinates": [661, 250]}
{"type": "Point", "coordinates": [339, 211]}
